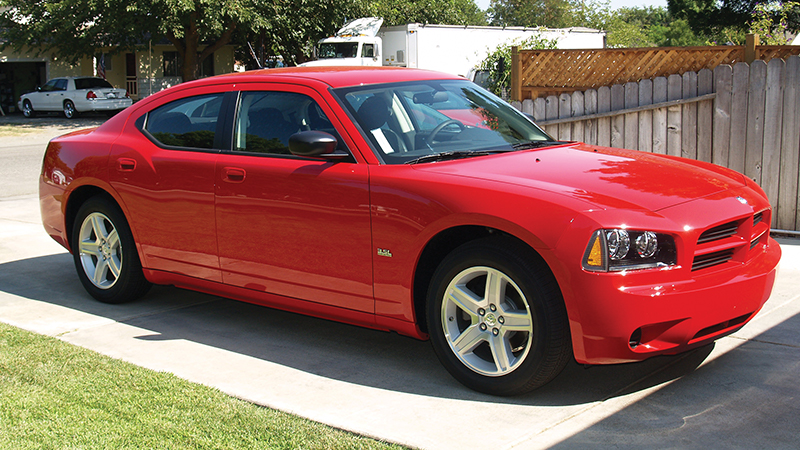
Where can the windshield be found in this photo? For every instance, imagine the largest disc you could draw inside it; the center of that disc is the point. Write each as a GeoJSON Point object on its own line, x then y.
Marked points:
{"type": "Point", "coordinates": [338, 50]}
{"type": "Point", "coordinates": [407, 122]}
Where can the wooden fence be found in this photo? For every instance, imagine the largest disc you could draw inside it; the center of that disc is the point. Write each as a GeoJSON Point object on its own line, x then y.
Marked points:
{"type": "Point", "coordinates": [544, 72]}
{"type": "Point", "coordinates": [744, 116]}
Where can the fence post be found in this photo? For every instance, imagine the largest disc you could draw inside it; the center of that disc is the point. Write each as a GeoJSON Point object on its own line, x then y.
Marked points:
{"type": "Point", "coordinates": [751, 42]}
{"type": "Point", "coordinates": [516, 82]}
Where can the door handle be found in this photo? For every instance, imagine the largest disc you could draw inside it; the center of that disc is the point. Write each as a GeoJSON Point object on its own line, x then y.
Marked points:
{"type": "Point", "coordinates": [234, 174]}
{"type": "Point", "coordinates": [126, 164]}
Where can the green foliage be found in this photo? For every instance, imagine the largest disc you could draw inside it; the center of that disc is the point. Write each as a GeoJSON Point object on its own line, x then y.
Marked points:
{"type": "Point", "coordinates": [57, 396]}
{"type": "Point", "coordinates": [448, 12]}
{"type": "Point", "coordinates": [498, 63]}
{"type": "Point", "coordinates": [532, 13]}
{"type": "Point", "coordinates": [771, 21]}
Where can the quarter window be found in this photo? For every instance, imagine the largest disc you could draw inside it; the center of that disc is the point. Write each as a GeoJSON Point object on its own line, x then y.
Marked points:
{"type": "Point", "coordinates": [190, 122]}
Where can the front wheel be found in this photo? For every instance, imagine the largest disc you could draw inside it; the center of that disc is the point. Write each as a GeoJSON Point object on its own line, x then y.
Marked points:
{"type": "Point", "coordinates": [27, 109]}
{"type": "Point", "coordinates": [69, 110]}
{"type": "Point", "coordinates": [496, 318]}
{"type": "Point", "coordinates": [105, 254]}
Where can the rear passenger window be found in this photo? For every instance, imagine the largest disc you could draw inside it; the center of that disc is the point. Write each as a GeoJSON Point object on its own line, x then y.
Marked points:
{"type": "Point", "coordinates": [190, 122]}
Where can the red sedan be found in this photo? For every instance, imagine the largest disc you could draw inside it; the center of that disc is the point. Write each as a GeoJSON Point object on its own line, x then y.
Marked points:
{"type": "Point", "coordinates": [357, 194]}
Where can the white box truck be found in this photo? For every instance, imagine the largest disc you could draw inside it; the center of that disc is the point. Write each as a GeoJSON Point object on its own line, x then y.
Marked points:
{"type": "Point", "coordinates": [446, 48]}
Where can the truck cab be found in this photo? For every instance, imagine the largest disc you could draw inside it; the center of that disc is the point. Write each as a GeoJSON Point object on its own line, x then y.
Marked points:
{"type": "Point", "coordinates": [355, 44]}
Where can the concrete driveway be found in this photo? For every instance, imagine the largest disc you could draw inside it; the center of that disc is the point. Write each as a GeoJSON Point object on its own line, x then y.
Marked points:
{"type": "Point", "coordinates": [741, 392]}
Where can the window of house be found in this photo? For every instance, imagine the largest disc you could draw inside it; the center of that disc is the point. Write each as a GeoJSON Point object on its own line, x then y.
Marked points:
{"type": "Point", "coordinates": [172, 64]}
{"type": "Point", "coordinates": [189, 122]}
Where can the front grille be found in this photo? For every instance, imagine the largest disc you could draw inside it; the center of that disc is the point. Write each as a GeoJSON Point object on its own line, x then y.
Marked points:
{"type": "Point", "coordinates": [712, 259]}
{"type": "Point", "coordinates": [719, 232]}
{"type": "Point", "coordinates": [758, 218]}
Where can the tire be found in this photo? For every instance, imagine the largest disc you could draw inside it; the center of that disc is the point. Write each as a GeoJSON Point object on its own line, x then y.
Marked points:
{"type": "Point", "coordinates": [27, 109]}
{"type": "Point", "coordinates": [505, 343]}
{"type": "Point", "coordinates": [69, 110]}
{"type": "Point", "coordinates": [105, 254]}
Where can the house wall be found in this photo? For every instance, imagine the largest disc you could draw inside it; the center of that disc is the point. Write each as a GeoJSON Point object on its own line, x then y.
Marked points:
{"type": "Point", "coordinates": [22, 72]}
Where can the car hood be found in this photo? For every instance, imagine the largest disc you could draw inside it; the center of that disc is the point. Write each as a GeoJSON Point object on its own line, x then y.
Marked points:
{"type": "Point", "coordinates": [605, 177]}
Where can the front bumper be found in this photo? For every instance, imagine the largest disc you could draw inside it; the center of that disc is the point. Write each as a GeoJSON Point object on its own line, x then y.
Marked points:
{"type": "Point", "coordinates": [632, 317]}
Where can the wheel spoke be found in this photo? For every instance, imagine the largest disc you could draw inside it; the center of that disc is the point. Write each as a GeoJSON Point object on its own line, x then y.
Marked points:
{"type": "Point", "coordinates": [464, 299]}
{"type": "Point", "coordinates": [98, 226]}
{"type": "Point", "coordinates": [517, 321]}
{"type": "Point", "coordinates": [100, 271]}
{"type": "Point", "coordinates": [90, 248]}
{"type": "Point", "coordinates": [114, 266]}
{"type": "Point", "coordinates": [501, 352]}
{"type": "Point", "coordinates": [467, 341]}
{"type": "Point", "coordinates": [495, 287]}
{"type": "Point", "coordinates": [113, 239]}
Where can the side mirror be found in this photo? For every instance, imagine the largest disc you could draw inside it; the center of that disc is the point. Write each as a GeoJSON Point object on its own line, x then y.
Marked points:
{"type": "Point", "coordinates": [315, 144]}
{"type": "Point", "coordinates": [38, 89]}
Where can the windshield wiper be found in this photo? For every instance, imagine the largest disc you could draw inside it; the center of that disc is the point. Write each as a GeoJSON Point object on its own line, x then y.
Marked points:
{"type": "Point", "coordinates": [456, 154]}
{"type": "Point", "coordinates": [534, 144]}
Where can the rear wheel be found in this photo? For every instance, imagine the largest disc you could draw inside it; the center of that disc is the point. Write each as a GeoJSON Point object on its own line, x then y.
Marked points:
{"type": "Point", "coordinates": [496, 318]}
{"type": "Point", "coordinates": [105, 254]}
{"type": "Point", "coordinates": [27, 109]}
{"type": "Point", "coordinates": [69, 110]}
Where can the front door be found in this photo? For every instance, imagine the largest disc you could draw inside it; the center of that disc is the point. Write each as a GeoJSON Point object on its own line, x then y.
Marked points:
{"type": "Point", "coordinates": [296, 227]}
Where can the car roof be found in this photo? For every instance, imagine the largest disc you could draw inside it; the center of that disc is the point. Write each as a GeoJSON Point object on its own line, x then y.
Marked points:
{"type": "Point", "coordinates": [339, 76]}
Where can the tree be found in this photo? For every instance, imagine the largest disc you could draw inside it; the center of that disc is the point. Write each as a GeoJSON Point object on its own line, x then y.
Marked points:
{"type": "Point", "coordinates": [532, 13]}
{"type": "Point", "coordinates": [76, 28]}
{"type": "Point", "coordinates": [444, 12]}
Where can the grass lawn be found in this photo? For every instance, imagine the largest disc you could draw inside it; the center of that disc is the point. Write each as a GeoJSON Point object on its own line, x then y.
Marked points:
{"type": "Point", "coordinates": [54, 395]}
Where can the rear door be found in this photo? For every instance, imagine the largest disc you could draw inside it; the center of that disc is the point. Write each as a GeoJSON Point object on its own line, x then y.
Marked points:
{"type": "Point", "coordinates": [297, 227]}
{"type": "Point", "coordinates": [163, 168]}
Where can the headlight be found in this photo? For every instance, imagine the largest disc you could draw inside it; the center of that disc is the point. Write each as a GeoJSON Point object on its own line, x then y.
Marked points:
{"type": "Point", "coordinates": [618, 249]}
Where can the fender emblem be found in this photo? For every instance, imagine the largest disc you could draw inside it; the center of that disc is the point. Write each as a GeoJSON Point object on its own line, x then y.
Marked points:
{"type": "Point", "coordinates": [384, 252]}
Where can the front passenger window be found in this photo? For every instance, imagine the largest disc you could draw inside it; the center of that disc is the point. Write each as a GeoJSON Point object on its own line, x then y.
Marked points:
{"type": "Point", "coordinates": [266, 120]}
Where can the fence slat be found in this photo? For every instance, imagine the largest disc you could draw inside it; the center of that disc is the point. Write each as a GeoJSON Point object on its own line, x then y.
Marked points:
{"type": "Point", "coordinates": [773, 119]}
{"type": "Point", "coordinates": [723, 80]}
{"type": "Point", "coordinates": [705, 115]}
{"type": "Point", "coordinates": [646, 117]}
{"type": "Point", "coordinates": [618, 122]}
{"type": "Point", "coordinates": [540, 109]}
{"type": "Point", "coordinates": [631, 120]}
{"type": "Point", "coordinates": [604, 124]}
{"type": "Point", "coordinates": [590, 107]}
{"type": "Point", "coordinates": [578, 104]}
{"type": "Point", "coordinates": [674, 92]}
{"type": "Point", "coordinates": [564, 111]}
{"type": "Point", "coordinates": [788, 206]}
{"type": "Point", "coordinates": [754, 144]}
{"type": "Point", "coordinates": [689, 117]}
{"type": "Point", "coordinates": [736, 152]}
{"type": "Point", "coordinates": [551, 112]}
{"type": "Point", "coordinates": [660, 116]}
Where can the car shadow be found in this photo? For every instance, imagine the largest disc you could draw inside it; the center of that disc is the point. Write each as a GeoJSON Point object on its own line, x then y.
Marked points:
{"type": "Point", "coordinates": [324, 348]}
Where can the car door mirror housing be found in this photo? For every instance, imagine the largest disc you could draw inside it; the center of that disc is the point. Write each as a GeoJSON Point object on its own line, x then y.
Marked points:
{"type": "Point", "coordinates": [315, 144]}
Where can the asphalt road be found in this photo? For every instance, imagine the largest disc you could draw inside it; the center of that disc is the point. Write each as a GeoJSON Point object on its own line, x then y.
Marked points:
{"type": "Point", "coordinates": [741, 392]}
